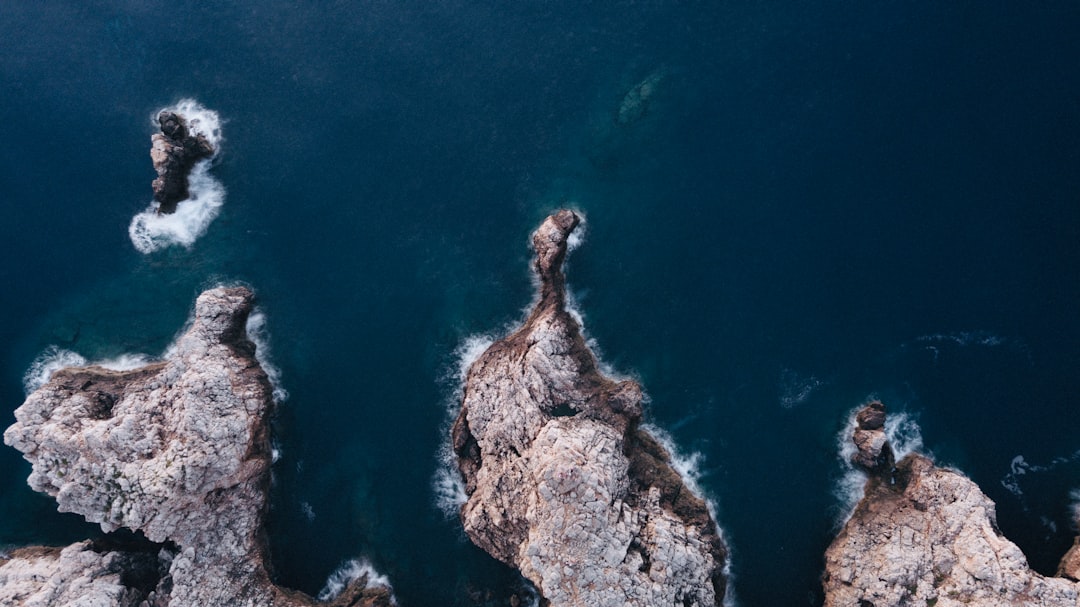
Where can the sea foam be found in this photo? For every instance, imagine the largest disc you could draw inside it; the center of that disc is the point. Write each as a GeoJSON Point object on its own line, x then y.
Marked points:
{"type": "Point", "coordinates": [350, 571]}
{"type": "Point", "coordinates": [447, 484]}
{"type": "Point", "coordinates": [150, 231]}
{"type": "Point", "coordinates": [51, 360]}
{"type": "Point", "coordinates": [905, 437]}
{"type": "Point", "coordinates": [259, 335]}
{"type": "Point", "coordinates": [54, 358]}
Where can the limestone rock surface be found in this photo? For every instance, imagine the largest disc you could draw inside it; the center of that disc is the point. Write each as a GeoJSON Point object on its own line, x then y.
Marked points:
{"type": "Point", "coordinates": [923, 536]}
{"type": "Point", "coordinates": [174, 151]}
{"type": "Point", "coordinates": [561, 482]}
{"type": "Point", "coordinates": [79, 575]}
{"type": "Point", "coordinates": [178, 450]}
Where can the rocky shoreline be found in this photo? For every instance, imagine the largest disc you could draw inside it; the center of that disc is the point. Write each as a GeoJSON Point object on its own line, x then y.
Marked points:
{"type": "Point", "coordinates": [923, 535]}
{"type": "Point", "coordinates": [178, 451]}
{"type": "Point", "coordinates": [562, 482]}
{"type": "Point", "coordinates": [174, 152]}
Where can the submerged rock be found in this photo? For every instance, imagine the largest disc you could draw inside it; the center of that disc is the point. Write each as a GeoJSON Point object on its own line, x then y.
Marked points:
{"type": "Point", "coordinates": [924, 535]}
{"type": "Point", "coordinates": [174, 151]}
{"type": "Point", "coordinates": [561, 482]}
{"type": "Point", "coordinates": [178, 450]}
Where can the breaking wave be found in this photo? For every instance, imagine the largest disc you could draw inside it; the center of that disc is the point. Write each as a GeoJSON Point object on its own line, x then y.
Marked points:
{"type": "Point", "coordinates": [259, 335]}
{"type": "Point", "coordinates": [54, 358]}
{"type": "Point", "coordinates": [447, 484]}
{"type": "Point", "coordinates": [150, 231]}
{"type": "Point", "coordinates": [48, 362]}
{"type": "Point", "coordinates": [349, 572]}
{"type": "Point", "coordinates": [688, 466]}
{"type": "Point", "coordinates": [904, 436]}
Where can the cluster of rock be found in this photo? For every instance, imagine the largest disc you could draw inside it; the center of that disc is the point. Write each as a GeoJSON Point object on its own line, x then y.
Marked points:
{"type": "Point", "coordinates": [562, 483]}
{"type": "Point", "coordinates": [924, 535]}
{"type": "Point", "coordinates": [174, 151]}
{"type": "Point", "coordinates": [179, 451]}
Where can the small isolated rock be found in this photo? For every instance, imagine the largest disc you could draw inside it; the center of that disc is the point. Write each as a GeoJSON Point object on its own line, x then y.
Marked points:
{"type": "Point", "coordinates": [174, 151]}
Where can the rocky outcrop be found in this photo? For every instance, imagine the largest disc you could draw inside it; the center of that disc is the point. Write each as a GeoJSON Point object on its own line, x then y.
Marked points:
{"type": "Point", "coordinates": [561, 481]}
{"type": "Point", "coordinates": [924, 535]}
{"type": "Point", "coordinates": [874, 452]}
{"type": "Point", "coordinates": [81, 574]}
{"type": "Point", "coordinates": [178, 450]}
{"type": "Point", "coordinates": [174, 151]}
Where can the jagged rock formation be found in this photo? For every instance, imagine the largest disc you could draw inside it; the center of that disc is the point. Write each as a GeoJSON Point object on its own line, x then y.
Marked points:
{"type": "Point", "coordinates": [81, 574]}
{"type": "Point", "coordinates": [562, 482]}
{"type": "Point", "coordinates": [178, 450]}
{"type": "Point", "coordinates": [924, 536]}
{"type": "Point", "coordinates": [174, 151]}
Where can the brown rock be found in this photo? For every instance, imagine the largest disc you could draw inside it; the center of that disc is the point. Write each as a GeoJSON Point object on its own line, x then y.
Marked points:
{"type": "Point", "coordinates": [561, 482]}
{"type": "Point", "coordinates": [174, 151]}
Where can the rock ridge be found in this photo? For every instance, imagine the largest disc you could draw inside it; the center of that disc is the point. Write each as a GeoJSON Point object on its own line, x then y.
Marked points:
{"type": "Point", "coordinates": [924, 535]}
{"type": "Point", "coordinates": [562, 483]}
{"type": "Point", "coordinates": [177, 450]}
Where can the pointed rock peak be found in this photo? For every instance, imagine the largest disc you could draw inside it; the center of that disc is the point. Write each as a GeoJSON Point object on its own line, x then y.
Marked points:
{"type": "Point", "coordinates": [550, 242]}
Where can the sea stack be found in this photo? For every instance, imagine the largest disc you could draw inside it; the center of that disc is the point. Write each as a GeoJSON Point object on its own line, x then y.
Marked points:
{"type": "Point", "coordinates": [177, 450]}
{"type": "Point", "coordinates": [174, 151]}
{"type": "Point", "coordinates": [925, 536]}
{"type": "Point", "coordinates": [562, 483]}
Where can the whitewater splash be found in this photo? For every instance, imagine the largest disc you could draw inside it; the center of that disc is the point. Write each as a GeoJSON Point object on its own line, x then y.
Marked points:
{"type": "Point", "coordinates": [447, 484]}
{"type": "Point", "coordinates": [689, 468]}
{"type": "Point", "coordinates": [150, 231]}
{"type": "Point", "coordinates": [54, 358]}
{"type": "Point", "coordinates": [904, 436]}
{"type": "Point", "coordinates": [349, 572]}
{"type": "Point", "coordinates": [259, 335]}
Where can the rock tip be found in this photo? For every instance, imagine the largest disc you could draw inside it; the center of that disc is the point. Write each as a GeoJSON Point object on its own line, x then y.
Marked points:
{"type": "Point", "coordinates": [550, 239]}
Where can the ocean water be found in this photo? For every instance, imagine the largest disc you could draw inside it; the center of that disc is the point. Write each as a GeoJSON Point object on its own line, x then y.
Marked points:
{"type": "Point", "coordinates": [792, 208]}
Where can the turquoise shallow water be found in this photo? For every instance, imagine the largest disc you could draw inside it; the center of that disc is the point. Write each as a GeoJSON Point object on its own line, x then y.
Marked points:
{"type": "Point", "coordinates": [817, 204]}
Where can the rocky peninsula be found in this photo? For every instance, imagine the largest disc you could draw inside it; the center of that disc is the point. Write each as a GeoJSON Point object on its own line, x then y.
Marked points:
{"type": "Point", "coordinates": [174, 151]}
{"type": "Point", "coordinates": [562, 483]}
{"type": "Point", "coordinates": [177, 451]}
{"type": "Point", "coordinates": [926, 536]}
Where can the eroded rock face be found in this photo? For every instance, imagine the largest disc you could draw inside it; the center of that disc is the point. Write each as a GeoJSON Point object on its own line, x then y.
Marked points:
{"type": "Point", "coordinates": [178, 450]}
{"type": "Point", "coordinates": [561, 482]}
{"type": "Point", "coordinates": [78, 575]}
{"type": "Point", "coordinates": [174, 151]}
{"type": "Point", "coordinates": [924, 535]}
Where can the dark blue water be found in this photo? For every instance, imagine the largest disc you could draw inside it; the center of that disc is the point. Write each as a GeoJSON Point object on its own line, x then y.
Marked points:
{"type": "Point", "coordinates": [819, 204]}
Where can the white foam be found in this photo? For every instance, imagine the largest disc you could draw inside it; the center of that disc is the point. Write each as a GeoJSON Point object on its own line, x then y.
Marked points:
{"type": "Point", "coordinates": [349, 572]}
{"type": "Point", "coordinates": [150, 231]}
{"type": "Point", "coordinates": [260, 336]}
{"type": "Point", "coordinates": [904, 436]}
{"type": "Point", "coordinates": [51, 360]}
{"type": "Point", "coordinates": [577, 237]}
{"type": "Point", "coordinates": [307, 511]}
{"type": "Point", "coordinates": [125, 362]}
{"type": "Point", "coordinates": [447, 485]}
{"type": "Point", "coordinates": [689, 468]}
{"type": "Point", "coordinates": [200, 120]}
